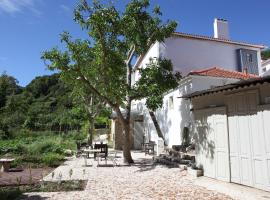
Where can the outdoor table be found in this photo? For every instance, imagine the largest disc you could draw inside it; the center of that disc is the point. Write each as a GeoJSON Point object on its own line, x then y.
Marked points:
{"type": "Point", "coordinates": [5, 164]}
{"type": "Point", "coordinates": [92, 151]}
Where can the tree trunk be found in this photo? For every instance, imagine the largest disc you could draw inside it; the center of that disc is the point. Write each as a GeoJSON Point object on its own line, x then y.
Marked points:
{"type": "Point", "coordinates": [91, 131]}
{"type": "Point", "coordinates": [154, 119]}
{"type": "Point", "coordinates": [126, 145]}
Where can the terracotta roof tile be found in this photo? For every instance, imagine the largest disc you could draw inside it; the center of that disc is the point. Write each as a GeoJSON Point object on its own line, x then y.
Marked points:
{"type": "Point", "coordinates": [219, 72]}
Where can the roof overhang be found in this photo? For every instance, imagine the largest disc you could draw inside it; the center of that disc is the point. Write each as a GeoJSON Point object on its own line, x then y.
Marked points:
{"type": "Point", "coordinates": [201, 37]}
{"type": "Point", "coordinates": [239, 84]}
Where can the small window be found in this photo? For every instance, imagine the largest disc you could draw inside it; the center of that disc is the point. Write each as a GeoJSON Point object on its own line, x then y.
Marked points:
{"type": "Point", "coordinates": [264, 69]}
{"type": "Point", "coordinates": [171, 102]}
{"type": "Point", "coordinates": [249, 58]}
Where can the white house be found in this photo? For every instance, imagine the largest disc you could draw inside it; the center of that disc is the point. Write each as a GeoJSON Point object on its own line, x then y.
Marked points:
{"type": "Point", "coordinates": [194, 53]}
{"type": "Point", "coordinates": [225, 108]}
{"type": "Point", "coordinates": [175, 113]}
{"type": "Point", "coordinates": [190, 52]}
{"type": "Point", "coordinates": [266, 67]}
{"type": "Point", "coordinates": [232, 132]}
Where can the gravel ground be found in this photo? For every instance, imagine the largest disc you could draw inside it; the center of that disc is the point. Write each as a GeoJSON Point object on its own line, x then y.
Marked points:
{"type": "Point", "coordinates": [143, 180]}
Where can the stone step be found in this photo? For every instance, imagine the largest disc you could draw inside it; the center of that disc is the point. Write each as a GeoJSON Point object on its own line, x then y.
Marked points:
{"type": "Point", "coordinates": [185, 162]}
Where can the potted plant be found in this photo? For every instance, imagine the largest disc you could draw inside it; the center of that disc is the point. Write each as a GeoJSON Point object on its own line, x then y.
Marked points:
{"type": "Point", "coordinates": [194, 170]}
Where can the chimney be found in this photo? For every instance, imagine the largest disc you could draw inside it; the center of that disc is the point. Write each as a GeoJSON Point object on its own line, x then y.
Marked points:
{"type": "Point", "coordinates": [221, 29]}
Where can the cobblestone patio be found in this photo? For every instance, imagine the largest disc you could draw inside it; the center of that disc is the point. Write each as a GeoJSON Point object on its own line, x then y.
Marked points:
{"type": "Point", "coordinates": [143, 180]}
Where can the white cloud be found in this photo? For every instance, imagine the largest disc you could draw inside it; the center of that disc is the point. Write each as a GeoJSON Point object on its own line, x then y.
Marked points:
{"type": "Point", "coordinates": [18, 6]}
{"type": "Point", "coordinates": [65, 8]}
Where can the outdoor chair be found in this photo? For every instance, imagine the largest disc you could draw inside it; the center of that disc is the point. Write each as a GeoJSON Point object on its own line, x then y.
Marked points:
{"type": "Point", "coordinates": [103, 150]}
{"type": "Point", "coordinates": [112, 156]}
{"type": "Point", "coordinates": [79, 151]}
{"type": "Point", "coordinates": [149, 148]}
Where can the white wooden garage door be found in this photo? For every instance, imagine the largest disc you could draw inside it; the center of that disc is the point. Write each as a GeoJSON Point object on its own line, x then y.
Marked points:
{"type": "Point", "coordinates": [212, 142]}
{"type": "Point", "coordinates": [249, 140]}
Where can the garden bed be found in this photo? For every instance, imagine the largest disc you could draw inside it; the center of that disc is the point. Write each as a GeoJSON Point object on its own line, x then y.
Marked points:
{"type": "Point", "coordinates": [24, 177]}
{"type": "Point", "coordinates": [12, 192]}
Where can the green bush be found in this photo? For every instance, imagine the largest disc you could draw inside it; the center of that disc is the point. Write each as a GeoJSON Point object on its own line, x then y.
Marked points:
{"type": "Point", "coordinates": [20, 149]}
{"type": "Point", "coordinates": [52, 159]}
{"type": "Point", "coordinates": [46, 146]}
{"type": "Point", "coordinates": [17, 162]}
{"type": "Point", "coordinates": [35, 159]}
{"type": "Point", "coordinates": [50, 147]}
{"type": "Point", "coordinates": [32, 147]}
{"type": "Point", "coordinates": [6, 134]}
{"type": "Point", "coordinates": [9, 193]}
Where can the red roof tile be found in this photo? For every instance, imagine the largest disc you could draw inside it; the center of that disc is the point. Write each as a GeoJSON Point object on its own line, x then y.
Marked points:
{"type": "Point", "coordinates": [219, 72]}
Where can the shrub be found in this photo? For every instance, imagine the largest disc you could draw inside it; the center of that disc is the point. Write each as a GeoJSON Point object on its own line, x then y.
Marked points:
{"type": "Point", "coordinates": [20, 149]}
{"type": "Point", "coordinates": [6, 134]}
{"type": "Point", "coordinates": [9, 193]}
{"type": "Point", "coordinates": [36, 159]}
{"type": "Point", "coordinates": [17, 162]}
{"type": "Point", "coordinates": [52, 159]}
{"type": "Point", "coordinates": [47, 146]}
{"type": "Point", "coordinates": [51, 147]}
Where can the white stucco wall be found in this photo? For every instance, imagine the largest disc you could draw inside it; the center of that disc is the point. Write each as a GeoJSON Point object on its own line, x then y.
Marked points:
{"type": "Point", "coordinates": [153, 52]}
{"type": "Point", "coordinates": [267, 69]}
{"type": "Point", "coordinates": [172, 120]}
{"type": "Point", "coordinates": [186, 55]}
{"type": "Point", "coordinates": [189, 54]}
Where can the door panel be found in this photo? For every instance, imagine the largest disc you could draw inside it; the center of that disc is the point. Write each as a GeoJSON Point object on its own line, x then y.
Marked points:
{"type": "Point", "coordinates": [249, 145]}
{"type": "Point", "coordinates": [212, 148]}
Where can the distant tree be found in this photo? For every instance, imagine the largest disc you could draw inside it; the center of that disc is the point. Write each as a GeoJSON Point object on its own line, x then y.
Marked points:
{"type": "Point", "coordinates": [93, 108]}
{"type": "Point", "coordinates": [265, 54]}
{"type": "Point", "coordinates": [104, 67]}
{"type": "Point", "coordinates": [8, 86]}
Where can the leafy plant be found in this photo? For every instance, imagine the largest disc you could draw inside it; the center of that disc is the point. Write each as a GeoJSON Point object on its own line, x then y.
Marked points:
{"type": "Point", "coordinates": [52, 159]}
{"type": "Point", "coordinates": [70, 173]}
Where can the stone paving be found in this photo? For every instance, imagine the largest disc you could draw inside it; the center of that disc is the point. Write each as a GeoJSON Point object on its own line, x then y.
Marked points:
{"type": "Point", "coordinates": [143, 180]}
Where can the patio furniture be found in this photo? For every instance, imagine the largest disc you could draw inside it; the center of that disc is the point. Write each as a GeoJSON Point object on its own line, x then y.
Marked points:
{"type": "Point", "coordinates": [79, 151]}
{"type": "Point", "coordinates": [103, 150]}
{"type": "Point", "coordinates": [91, 151]}
{"type": "Point", "coordinates": [149, 147]}
{"type": "Point", "coordinates": [111, 156]}
{"type": "Point", "coordinates": [5, 164]}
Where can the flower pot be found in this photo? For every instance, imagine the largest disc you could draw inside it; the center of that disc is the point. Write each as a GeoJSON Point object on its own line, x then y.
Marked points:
{"type": "Point", "coordinates": [195, 172]}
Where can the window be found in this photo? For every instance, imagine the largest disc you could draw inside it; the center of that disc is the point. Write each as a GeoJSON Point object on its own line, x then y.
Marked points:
{"type": "Point", "coordinates": [264, 69]}
{"type": "Point", "coordinates": [249, 58]}
{"type": "Point", "coordinates": [171, 102]}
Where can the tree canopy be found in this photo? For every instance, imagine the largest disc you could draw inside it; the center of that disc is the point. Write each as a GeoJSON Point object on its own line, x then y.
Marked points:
{"type": "Point", "coordinates": [102, 63]}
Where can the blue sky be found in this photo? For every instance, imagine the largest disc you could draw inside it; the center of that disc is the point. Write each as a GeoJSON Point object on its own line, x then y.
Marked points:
{"type": "Point", "coordinates": [28, 27]}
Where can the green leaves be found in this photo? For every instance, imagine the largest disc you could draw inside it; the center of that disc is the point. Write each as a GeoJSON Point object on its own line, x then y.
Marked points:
{"type": "Point", "coordinates": [101, 66]}
{"type": "Point", "coordinates": [156, 79]}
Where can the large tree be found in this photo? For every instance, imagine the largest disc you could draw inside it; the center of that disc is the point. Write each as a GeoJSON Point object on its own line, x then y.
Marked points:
{"type": "Point", "coordinates": [102, 63]}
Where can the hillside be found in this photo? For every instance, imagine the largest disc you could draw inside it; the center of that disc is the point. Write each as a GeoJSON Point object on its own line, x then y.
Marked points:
{"type": "Point", "coordinates": [45, 104]}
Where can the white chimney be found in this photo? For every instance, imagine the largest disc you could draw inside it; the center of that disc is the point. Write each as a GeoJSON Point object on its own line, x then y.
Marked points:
{"type": "Point", "coordinates": [221, 29]}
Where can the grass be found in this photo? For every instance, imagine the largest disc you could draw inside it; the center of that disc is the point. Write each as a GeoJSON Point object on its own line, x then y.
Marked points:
{"type": "Point", "coordinates": [10, 193]}
{"type": "Point", "coordinates": [38, 149]}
